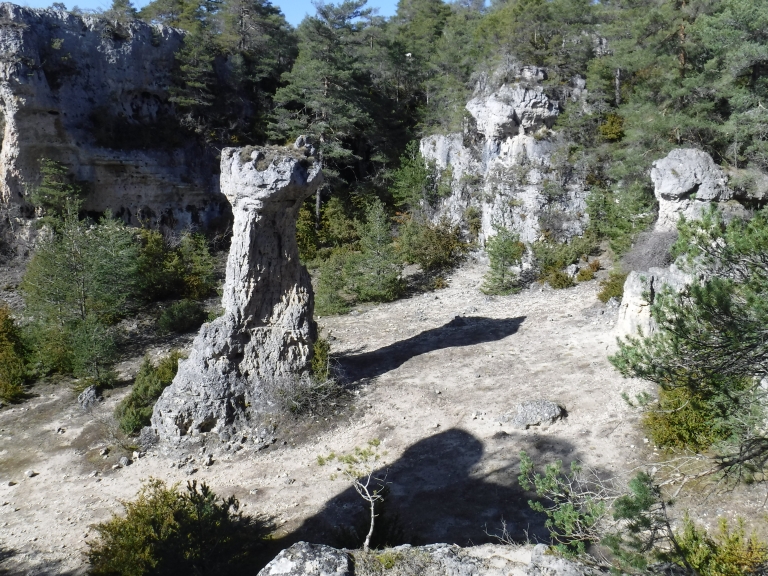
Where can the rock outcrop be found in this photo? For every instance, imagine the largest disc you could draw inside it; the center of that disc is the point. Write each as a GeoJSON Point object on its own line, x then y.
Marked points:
{"type": "Point", "coordinates": [93, 94]}
{"type": "Point", "coordinates": [267, 330]}
{"type": "Point", "coordinates": [304, 559]}
{"type": "Point", "coordinates": [685, 182]}
{"type": "Point", "coordinates": [507, 165]}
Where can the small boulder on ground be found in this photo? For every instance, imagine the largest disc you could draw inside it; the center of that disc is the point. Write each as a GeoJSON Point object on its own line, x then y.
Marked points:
{"type": "Point", "coordinates": [534, 413]}
{"type": "Point", "coordinates": [303, 559]}
{"type": "Point", "coordinates": [124, 461]}
{"type": "Point", "coordinates": [88, 397]}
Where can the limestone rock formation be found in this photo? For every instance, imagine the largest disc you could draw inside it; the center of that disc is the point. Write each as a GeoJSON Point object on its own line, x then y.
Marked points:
{"type": "Point", "coordinates": [640, 289]}
{"type": "Point", "coordinates": [506, 164]}
{"type": "Point", "coordinates": [267, 330]}
{"type": "Point", "coordinates": [93, 95]}
{"type": "Point", "coordinates": [303, 559]}
{"type": "Point", "coordinates": [686, 181]}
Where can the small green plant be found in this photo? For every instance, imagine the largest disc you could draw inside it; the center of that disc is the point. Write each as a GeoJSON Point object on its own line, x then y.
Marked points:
{"type": "Point", "coordinates": [585, 274]}
{"type": "Point", "coordinates": [613, 286]}
{"type": "Point", "coordinates": [170, 532]}
{"type": "Point", "coordinates": [134, 412]}
{"type": "Point", "coordinates": [504, 252]}
{"type": "Point", "coordinates": [183, 316]}
{"type": "Point", "coordinates": [431, 246]}
{"type": "Point", "coordinates": [359, 467]}
{"type": "Point", "coordinates": [321, 359]}
{"type": "Point", "coordinates": [612, 130]}
{"type": "Point", "coordinates": [13, 358]}
{"type": "Point", "coordinates": [575, 503]}
{"type": "Point", "coordinates": [559, 280]}
{"type": "Point", "coordinates": [553, 256]}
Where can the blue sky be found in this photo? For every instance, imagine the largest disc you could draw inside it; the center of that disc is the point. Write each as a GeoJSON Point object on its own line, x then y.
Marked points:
{"type": "Point", "coordinates": [294, 10]}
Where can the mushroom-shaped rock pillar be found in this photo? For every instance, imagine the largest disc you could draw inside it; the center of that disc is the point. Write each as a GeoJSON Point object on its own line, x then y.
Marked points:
{"type": "Point", "coordinates": [267, 331]}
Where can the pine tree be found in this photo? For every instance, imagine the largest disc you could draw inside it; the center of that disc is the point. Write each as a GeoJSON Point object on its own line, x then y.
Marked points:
{"type": "Point", "coordinates": [504, 252]}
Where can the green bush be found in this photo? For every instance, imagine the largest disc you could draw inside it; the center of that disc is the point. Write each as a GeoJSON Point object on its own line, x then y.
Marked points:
{"type": "Point", "coordinates": [504, 251]}
{"type": "Point", "coordinates": [431, 246]}
{"type": "Point", "coordinates": [552, 256]}
{"type": "Point", "coordinates": [167, 269]}
{"type": "Point", "coordinates": [559, 280]}
{"type": "Point", "coordinates": [613, 286]}
{"type": "Point", "coordinates": [728, 553]}
{"type": "Point", "coordinates": [473, 218]}
{"type": "Point", "coordinates": [585, 275]}
{"type": "Point", "coordinates": [172, 533]}
{"type": "Point", "coordinates": [306, 233]}
{"type": "Point", "coordinates": [374, 274]}
{"type": "Point", "coordinates": [321, 360]}
{"type": "Point", "coordinates": [330, 285]}
{"type": "Point", "coordinates": [183, 316]}
{"type": "Point", "coordinates": [134, 412]}
{"type": "Point", "coordinates": [13, 358]}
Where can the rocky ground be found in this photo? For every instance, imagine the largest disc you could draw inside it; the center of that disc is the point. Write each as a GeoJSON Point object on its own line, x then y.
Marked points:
{"type": "Point", "coordinates": [432, 378]}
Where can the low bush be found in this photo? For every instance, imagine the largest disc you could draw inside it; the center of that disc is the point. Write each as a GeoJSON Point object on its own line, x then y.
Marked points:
{"type": "Point", "coordinates": [170, 532]}
{"type": "Point", "coordinates": [473, 218]}
{"type": "Point", "coordinates": [585, 275]}
{"type": "Point", "coordinates": [613, 286]}
{"type": "Point", "coordinates": [135, 411]}
{"type": "Point", "coordinates": [559, 280]}
{"type": "Point", "coordinates": [552, 256]}
{"type": "Point", "coordinates": [682, 419]}
{"type": "Point", "coordinates": [728, 553]}
{"type": "Point", "coordinates": [183, 316]}
{"type": "Point", "coordinates": [303, 395]}
{"type": "Point", "coordinates": [431, 246]}
{"type": "Point", "coordinates": [13, 358]}
{"type": "Point", "coordinates": [321, 359]}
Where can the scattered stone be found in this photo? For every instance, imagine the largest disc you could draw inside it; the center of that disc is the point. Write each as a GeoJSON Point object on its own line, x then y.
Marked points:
{"type": "Point", "coordinates": [88, 397]}
{"type": "Point", "coordinates": [147, 438]}
{"type": "Point", "coordinates": [60, 430]}
{"type": "Point", "coordinates": [116, 466]}
{"type": "Point", "coordinates": [572, 270]}
{"type": "Point", "coordinates": [208, 460]}
{"type": "Point", "coordinates": [534, 413]}
{"type": "Point", "coordinates": [266, 331]}
{"type": "Point", "coordinates": [11, 483]}
{"type": "Point", "coordinates": [124, 461]}
{"type": "Point", "coordinates": [103, 451]}
{"type": "Point", "coordinates": [254, 491]}
{"type": "Point", "coordinates": [190, 470]}
{"type": "Point", "coordinates": [137, 455]}
{"type": "Point", "coordinates": [93, 474]}
{"type": "Point", "coordinates": [30, 473]}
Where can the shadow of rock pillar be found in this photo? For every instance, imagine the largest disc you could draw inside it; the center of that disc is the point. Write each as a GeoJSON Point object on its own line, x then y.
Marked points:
{"type": "Point", "coordinates": [267, 330]}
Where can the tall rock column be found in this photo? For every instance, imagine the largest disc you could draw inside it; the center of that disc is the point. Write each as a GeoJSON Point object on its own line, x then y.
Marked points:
{"type": "Point", "coordinates": [267, 330]}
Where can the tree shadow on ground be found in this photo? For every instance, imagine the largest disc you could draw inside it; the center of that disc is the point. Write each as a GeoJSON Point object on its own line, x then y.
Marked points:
{"type": "Point", "coordinates": [437, 493]}
{"type": "Point", "coordinates": [461, 331]}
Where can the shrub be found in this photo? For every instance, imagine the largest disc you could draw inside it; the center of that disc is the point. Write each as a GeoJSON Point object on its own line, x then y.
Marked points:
{"type": "Point", "coordinates": [431, 246]}
{"type": "Point", "coordinates": [613, 286]}
{"type": "Point", "coordinates": [559, 280]}
{"type": "Point", "coordinates": [585, 274]}
{"type": "Point", "coordinates": [183, 316]}
{"type": "Point", "coordinates": [685, 420]}
{"type": "Point", "coordinates": [473, 218]}
{"type": "Point", "coordinates": [306, 233]}
{"type": "Point", "coordinates": [595, 266]}
{"type": "Point", "coordinates": [134, 412]}
{"type": "Point", "coordinates": [167, 269]}
{"type": "Point", "coordinates": [13, 356]}
{"type": "Point", "coordinates": [55, 190]}
{"type": "Point", "coordinates": [303, 395]}
{"type": "Point", "coordinates": [321, 360]}
{"type": "Point", "coordinates": [169, 532]}
{"type": "Point", "coordinates": [374, 273]}
{"type": "Point", "coordinates": [504, 251]}
{"type": "Point", "coordinates": [729, 553]}
{"type": "Point", "coordinates": [551, 256]}
{"type": "Point", "coordinates": [330, 284]}
{"type": "Point", "coordinates": [337, 229]}
{"type": "Point", "coordinates": [612, 129]}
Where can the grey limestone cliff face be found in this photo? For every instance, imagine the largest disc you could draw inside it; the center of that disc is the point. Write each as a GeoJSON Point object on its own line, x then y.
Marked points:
{"type": "Point", "coordinates": [506, 164]}
{"type": "Point", "coordinates": [93, 95]}
{"type": "Point", "coordinates": [267, 330]}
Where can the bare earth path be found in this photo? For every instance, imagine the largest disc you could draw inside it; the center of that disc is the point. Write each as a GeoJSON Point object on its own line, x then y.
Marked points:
{"type": "Point", "coordinates": [435, 373]}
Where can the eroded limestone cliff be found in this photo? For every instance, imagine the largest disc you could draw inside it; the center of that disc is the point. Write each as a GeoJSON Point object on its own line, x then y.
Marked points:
{"type": "Point", "coordinates": [93, 95]}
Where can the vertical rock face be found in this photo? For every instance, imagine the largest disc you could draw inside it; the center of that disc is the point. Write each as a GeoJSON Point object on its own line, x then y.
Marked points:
{"type": "Point", "coordinates": [93, 95]}
{"type": "Point", "coordinates": [685, 181]}
{"type": "Point", "coordinates": [508, 165]}
{"type": "Point", "coordinates": [267, 330]}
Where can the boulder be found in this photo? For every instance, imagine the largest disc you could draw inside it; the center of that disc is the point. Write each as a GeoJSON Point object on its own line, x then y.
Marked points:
{"type": "Point", "coordinates": [534, 413]}
{"type": "Point", "coordinates": [267, 331]}
{"type": "Point", "coordinates": [304, 559]}
{"type": "Point", "coordinates": [640, 290]}
{"type": "Point", "coordinates": [88, 397]}
{"type": "Point", "coordinates": [685, 182]}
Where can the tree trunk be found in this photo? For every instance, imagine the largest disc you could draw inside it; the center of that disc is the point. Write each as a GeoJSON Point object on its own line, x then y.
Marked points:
{"type": "Point", "coordinates": [367, 543]}
{"type": "Point", "coordinates": [617, 86]}
{"type": "Point", "coordinates": [318, 201]}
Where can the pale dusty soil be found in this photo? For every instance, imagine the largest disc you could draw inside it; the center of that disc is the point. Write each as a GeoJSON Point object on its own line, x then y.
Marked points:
{"type": "Point", "coordinates": [432, 388]}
